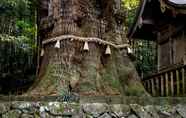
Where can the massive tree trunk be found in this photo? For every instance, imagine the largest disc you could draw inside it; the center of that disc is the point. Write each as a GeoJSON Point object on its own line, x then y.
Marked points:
{"type": "Point", "coordinates": [78, 63]}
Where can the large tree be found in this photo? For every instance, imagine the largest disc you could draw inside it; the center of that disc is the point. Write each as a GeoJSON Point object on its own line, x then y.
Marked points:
{"type": "Point", "coordinates": [84, 49]}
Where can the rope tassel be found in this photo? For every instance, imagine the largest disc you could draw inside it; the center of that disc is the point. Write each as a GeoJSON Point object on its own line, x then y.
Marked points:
{"type": "Point", "coordinates": [108, 50]}
{"type": "Point", "coordinates": [129, 50]}
{"type": "Point", "coordinates": [71, 39]}
{"type": "Point", "coordinates": [57, 45]}
{"type": "Point", "coordinates": [86, 48]}
{"type": "Point", "coordinates": [42, 52]}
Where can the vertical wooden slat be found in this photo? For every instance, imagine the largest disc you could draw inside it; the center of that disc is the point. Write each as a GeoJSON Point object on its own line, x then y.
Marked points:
{"type": "Point", "coordinates": [157, 86]}
{"type": "Point", "coordinates": [172, 83]}
{"type": "Point", "coordinates": [153, 87]}
{"type": "Point", "coordinates": [149, 85]}
{"type": "Point", "coordinates": [183, 80]}
{"type": "Point", "coordinates": [167, 84]}
{"type": "Point", "coordinates": [162, 86]}
{"type": "Point", "coordinates": [177, 82]}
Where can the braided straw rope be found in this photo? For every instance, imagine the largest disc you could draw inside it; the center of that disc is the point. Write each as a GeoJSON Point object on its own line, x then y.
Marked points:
{"type": "Point", "coordinates": [84, 39]}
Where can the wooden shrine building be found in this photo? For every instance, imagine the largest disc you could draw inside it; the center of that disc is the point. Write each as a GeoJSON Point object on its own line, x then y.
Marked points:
{"type": "Point", "coordinates": [163, 21]}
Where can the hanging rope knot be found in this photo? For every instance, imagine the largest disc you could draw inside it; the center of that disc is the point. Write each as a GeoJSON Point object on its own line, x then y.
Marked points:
{"type": "Point", "coordinates": [86, 40]}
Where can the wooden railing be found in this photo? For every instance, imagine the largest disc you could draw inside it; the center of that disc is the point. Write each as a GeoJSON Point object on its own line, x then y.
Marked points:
{"type": "Point", "coordinates": [169, 82]}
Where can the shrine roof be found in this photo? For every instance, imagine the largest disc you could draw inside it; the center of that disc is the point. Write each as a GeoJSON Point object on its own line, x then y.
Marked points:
{"type": "Point", "coordinates": [177, 2]}
{"type": "Point", "coordinates": [154, 15]}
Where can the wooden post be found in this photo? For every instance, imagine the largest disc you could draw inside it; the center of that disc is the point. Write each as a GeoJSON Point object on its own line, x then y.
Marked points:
{"type": "Point", "coordinates": [172, 83]}
{"type": "Point", "coordinates": [183, 80]}
{"type": "Point", "coordinates": [167, 84]}
{"type": "Point", "coordinates": [157, 86]}
{"type": "Point", "coordinates": [177, 82]}
{"type": "Point", "coordinates": [162, 86]}
{"type": "Point", "coordinates": [153, 88]}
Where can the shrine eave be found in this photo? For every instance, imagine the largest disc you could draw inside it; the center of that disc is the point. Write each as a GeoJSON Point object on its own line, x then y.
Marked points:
{"type": "Point", "coordinates": [147, 22]}
{"type": "Point", "coordinates": [176, 3]}
{"type": "Point", "coordinates": [142, 26]}
{"type": "Point", "coordinates": [176, 6]}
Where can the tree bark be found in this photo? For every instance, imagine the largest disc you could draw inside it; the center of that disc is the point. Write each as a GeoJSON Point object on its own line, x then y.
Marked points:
{"type": "Point", "coordinates": [71, 68]}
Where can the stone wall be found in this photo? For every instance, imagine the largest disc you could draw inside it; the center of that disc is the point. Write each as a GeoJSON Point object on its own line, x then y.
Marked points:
{"type": "Point", "coordinates": [88, 110]}
{"type": "Point", "coordinates": [131, 109]}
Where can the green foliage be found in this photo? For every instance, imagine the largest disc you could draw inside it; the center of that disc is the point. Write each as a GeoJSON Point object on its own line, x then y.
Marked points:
{"type": "Point", "coordinates": [15, 57]}
{"type": "Point", "coordinates": [145, 52]}
{"type": "Point", "coordinates": [15, 6]}
{"type": "Point", "coordinates": [18, 21]}
{"type": "Point", "coordinates": [16, 14]}
{"type": "Point", "coordinates": [25, 29]}
{"type": "Point", "coordinates": [130, 6]}
{"type": "Point", "coordinates": [17, 42]}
